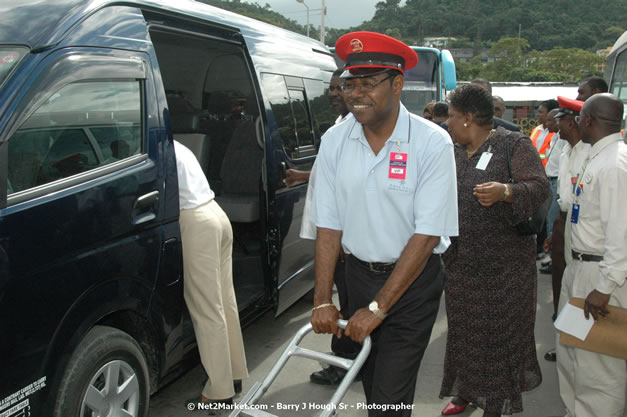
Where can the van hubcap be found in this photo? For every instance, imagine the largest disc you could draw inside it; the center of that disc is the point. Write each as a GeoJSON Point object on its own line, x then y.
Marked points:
{"type": "Point", "coordinates": [112, 392]}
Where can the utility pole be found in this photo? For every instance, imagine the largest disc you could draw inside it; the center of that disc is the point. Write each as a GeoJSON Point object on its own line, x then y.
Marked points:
{"type": "Point", "coordinates": [324, 12]}
{"type": "Point", "coordinates": [305, 4]}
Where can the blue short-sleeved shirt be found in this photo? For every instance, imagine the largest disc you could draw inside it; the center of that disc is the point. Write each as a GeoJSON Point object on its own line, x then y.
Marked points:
{"type": "Point", "coordinates": [377, 209]}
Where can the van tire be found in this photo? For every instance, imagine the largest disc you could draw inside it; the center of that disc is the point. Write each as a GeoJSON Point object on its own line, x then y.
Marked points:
{"type": "Point", "coordinates": [104, 355]}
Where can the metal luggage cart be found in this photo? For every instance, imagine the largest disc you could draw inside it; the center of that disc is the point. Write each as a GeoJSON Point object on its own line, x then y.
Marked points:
{"type": "Point", "coordinates": [330, 409]}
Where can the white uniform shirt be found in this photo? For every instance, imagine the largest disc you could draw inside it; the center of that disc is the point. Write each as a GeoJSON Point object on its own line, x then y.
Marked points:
{"type": "Point", "coordinates": [194, 190]}
{"type": "Point", "coordinates": [307, 226]}
{"type": "Point", "coordinates": [601, 228]}
{"type": "Point", "coordinates": [554, 153]}
{"type": "Point", "coordinates": [378, 214]}
{"type": "Point", "coordinates": [572, 160]}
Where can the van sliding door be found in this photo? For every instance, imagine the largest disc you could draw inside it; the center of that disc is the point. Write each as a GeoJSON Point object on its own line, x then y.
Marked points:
{"type": "Point", "coordinates": [294, 147]}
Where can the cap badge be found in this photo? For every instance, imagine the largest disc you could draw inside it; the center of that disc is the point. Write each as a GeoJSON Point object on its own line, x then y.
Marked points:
{"type": "Point", "coordinates": [357, 46]}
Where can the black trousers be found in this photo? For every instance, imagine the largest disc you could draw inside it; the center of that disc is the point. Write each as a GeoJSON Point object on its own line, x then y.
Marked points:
{"type": "Point", "coordinates": [398, 344]}
{"type": "Point", "coordinates": [343, 347]}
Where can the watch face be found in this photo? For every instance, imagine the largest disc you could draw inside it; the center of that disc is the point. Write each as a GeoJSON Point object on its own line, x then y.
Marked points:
{"type": "Point", "coordinates": [373, 306]}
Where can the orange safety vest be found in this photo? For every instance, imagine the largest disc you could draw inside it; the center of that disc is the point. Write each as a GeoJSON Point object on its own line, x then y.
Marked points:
{"type": "Point", "coordinates": [545, 145]}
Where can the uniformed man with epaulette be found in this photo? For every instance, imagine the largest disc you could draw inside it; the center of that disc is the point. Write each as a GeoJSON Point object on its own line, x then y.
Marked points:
{"type": "Point", "coordinates": [593, 384]}
{"type": "Point", "coordinates": [386, 193]}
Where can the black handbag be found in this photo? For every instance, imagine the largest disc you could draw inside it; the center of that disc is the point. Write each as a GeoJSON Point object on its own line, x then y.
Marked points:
{"type": "Point", "coordinates": [533, 225]}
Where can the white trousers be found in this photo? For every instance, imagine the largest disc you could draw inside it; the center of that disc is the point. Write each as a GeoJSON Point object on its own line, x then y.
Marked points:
{"type": "Point", "coordinates": [591, 384]}
{"type": "Point", "coordinates": [207, 239]}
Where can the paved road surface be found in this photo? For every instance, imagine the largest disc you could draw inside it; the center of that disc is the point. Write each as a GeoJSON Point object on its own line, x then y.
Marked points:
{"type": "Point", "coordinates": [266, 339]}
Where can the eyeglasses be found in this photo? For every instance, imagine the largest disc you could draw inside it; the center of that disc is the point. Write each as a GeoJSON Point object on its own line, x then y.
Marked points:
{"type": "Point", "coordinates": [578, 119]}
{"type": "Point", "coordinates": [365, 87]}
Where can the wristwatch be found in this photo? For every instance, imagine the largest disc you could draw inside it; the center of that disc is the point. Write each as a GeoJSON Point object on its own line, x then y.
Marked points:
{"type": "Point", "coordinates": [374, 307]}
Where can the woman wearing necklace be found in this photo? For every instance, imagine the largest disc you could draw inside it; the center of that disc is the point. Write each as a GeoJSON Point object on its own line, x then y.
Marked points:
{"type": "Point", "coordinates": [491, 270]}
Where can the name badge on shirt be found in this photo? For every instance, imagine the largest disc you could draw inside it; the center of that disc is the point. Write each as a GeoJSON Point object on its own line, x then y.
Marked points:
{"type": "Point", "coordinates": [484, 160]}
{"type": "Point", "coordinates": [574, 215]}
{"type": "Point", "coordinates": [398, 166]}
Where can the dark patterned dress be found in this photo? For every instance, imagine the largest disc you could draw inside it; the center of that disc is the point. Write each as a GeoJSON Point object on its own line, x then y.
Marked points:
{"type": "Point", "coordinates": [491, 281]}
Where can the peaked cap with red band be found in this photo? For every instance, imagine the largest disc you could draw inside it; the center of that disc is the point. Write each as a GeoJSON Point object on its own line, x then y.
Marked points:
{"type": "Point", "coordinates": [366, 52]}
{"type": "Point", "coordinates": [568, 106]}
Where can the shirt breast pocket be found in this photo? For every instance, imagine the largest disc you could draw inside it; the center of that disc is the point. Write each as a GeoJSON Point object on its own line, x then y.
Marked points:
{"type": "Point", "coordinates": [589, 202]}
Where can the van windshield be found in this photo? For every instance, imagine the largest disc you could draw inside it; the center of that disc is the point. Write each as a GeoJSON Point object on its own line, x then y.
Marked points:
{"type": "Point", "coordinates": [9, 57]}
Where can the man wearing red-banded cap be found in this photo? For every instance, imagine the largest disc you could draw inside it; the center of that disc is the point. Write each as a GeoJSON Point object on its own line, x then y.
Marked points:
{"type": "Point", "coordinates": [572, 157]}
{"type": "Point", "coordinates": [594, 384]}
{"type": "Point", "coordinates": [386, 194]}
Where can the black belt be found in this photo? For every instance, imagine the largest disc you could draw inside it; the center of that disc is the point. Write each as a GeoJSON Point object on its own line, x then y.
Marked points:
{"type": "Point", "coordinates": [586, 258]}
{"type": "Point", "coordinates": [379, 267]}
{"type": "Point", "coordinates": [552, 178]}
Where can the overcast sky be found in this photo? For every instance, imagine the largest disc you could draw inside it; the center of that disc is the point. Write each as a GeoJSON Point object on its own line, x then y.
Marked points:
{"type": "Point", "coordinates": [341, 14]}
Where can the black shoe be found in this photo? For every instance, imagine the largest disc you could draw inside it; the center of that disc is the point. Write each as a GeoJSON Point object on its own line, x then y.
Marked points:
{"type": "Point", "coordinates": [237, 384]}
{"type": "Point", "coordinates": [550, 356]}
{"type": "Point", "coordinates": [546, 269]}
{"type": "Point", "coordinates": [328, 376]}
{"type": "Point", "coordinates": [545, 263]}
{"type": "Point", "coordinates": [540, 255]}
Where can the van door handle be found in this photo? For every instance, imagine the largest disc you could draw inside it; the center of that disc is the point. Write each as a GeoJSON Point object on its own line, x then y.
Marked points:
{"type": "Point", "coordinates": [145, 207]}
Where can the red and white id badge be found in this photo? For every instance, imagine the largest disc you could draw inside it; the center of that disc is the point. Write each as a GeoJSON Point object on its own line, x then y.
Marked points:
{"type": "Point", "coordinates": [398, 166]}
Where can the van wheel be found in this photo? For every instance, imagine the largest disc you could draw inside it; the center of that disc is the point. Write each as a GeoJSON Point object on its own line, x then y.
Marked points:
{"type": "Point", "coordinates": [107, 376]}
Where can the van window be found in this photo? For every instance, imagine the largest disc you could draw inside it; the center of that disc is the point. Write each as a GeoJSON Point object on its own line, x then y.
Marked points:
{"type": "Point", "coordinates": [292, 116]}
{"type": "Point", "coordinates": [83, 126]}
{"type": "Point", "coordinates": [323, 114]}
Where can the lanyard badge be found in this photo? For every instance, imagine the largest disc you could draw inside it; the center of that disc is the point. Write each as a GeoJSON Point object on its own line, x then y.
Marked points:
{"type": "Point", "coordinates": [398, 166]}
{"type": "Point", "coordinates": [578, 189]}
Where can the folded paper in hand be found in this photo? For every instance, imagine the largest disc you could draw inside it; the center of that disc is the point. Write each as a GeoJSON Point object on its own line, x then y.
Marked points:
{"type": "Point", "coordinates": [571, 320]}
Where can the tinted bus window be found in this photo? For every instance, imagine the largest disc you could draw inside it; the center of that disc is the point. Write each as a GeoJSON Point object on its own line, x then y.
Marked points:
{"type": "Point", "coordinates": [619, 83]}
{"type": "Point", "coordinates": [421, 83]}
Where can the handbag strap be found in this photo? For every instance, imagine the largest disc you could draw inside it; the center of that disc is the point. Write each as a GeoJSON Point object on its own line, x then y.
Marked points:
{"type": "Point", "coordinates": [509, 159]}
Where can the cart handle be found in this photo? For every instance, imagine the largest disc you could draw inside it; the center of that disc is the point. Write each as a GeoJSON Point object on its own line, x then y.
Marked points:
{"type": "Point", "coordinates": [352, 367]}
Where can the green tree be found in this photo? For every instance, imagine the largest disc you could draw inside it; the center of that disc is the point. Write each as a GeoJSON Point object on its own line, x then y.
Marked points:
{"type": "Point", "coordinates": [570, 64]}
{"type": "Point", "coordinates": [506, 56]}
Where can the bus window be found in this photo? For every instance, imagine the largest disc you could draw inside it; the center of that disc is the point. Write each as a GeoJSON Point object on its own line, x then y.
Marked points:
{"type": "Point", "coordinates": [617, 74]}
{"type": "Point", "coordinates": [422, 82]}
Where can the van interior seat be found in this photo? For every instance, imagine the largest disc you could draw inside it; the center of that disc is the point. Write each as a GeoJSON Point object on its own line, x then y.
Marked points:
{"type": "Point", "coordinates": [241, 170]}
{"type": "Point", "coordinates": [217, 120]}
{"type": "Point", "coordinates": [185, 129]}
{"type": "Point", "coordinates": [199, 144]}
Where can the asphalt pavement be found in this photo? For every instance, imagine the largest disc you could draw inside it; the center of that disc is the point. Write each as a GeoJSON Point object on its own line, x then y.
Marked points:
{"type": "Point", "coordinates": [293, 395]}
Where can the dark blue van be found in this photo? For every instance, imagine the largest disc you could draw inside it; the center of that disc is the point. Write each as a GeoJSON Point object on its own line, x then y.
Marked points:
{"type": "Point", "coordinates": [92, 93]}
